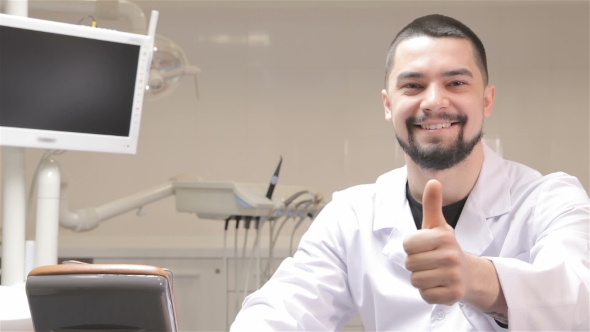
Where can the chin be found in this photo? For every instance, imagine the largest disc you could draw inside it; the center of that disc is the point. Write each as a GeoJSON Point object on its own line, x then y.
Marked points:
{"type": "Point", "coordinates": [432, 145]}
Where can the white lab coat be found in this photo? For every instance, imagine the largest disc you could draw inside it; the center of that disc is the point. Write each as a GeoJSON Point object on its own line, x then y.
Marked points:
{"type": "Point", "coordinates": [534, 228]}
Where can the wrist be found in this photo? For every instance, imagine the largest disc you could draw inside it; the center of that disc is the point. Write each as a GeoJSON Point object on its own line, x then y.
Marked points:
{"type": "Point", "coordinates": [484, 291]}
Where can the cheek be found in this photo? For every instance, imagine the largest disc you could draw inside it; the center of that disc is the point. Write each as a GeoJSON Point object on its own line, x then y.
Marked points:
{"type": "Point", "coordinates": [404, 108]}
{"type": "Point", "coordinates": [475, 120]}
{"type": "Point", "coordinates": [479, 109]}
{"type": "Point", "coordinates": [401, 111]}
{"type": "Point", "coordinates": [399, 123]}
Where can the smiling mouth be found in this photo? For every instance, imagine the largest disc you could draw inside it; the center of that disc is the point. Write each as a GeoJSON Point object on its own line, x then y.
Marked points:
{"type": "Point", "coordinates": [435, 125]}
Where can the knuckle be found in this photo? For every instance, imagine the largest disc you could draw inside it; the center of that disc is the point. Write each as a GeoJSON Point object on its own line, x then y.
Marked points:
{"type": "Point", "coordinates": [409, 244]}
{"type": "Point", "coordinates": [408, 263]}
{"type": "Point", "coordinates": [457, 294]}
{"type": "Point", "coordinates": [455, 276]}
{"type": "Point", "coordinates": [415, 280]}
{"type": "Point", "coordinates": [450, 303]}
{"type": "Point", "coordinates": [406, 246]}
{"type": "Point", "coordinates": [451, 258]}
{"type": "Point", "coordinates": [427, 297]}
{"type": "Point", "coordinates": [446, 238]}
{"type": "Point", "coordinates": [455, 259]}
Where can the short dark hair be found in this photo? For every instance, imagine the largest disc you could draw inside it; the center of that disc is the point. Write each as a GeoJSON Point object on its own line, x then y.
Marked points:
{"type": "Point", "coordinates": [438, 26]}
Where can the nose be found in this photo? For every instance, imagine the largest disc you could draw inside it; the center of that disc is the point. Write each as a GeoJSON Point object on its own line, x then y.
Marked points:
{"type": "Point", "coordinates": [435, 99]}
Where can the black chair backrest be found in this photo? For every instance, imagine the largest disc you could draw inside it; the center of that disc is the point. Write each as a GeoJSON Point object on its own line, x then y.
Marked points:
{"type": "Point", "coordinates": [101, 297]}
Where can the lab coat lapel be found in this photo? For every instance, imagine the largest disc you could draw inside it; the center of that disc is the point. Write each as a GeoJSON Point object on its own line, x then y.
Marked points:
{"type": "Point", "coordinates": [472, 232]}
{"type": "Point", "coordinates": [489, 198]}
{"type": "Point", "coordinates": [392, 213]}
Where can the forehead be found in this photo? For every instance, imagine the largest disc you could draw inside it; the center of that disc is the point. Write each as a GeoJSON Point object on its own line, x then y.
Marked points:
{"type": "Point", "coordinates": [432, 56]}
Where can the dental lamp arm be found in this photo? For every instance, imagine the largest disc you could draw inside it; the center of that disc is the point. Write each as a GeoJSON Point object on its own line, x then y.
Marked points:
{"type": "Point", "coordinates": [157, 79]}
{"type": "Point", "coordinates": [124, 8]}
{"type": "Point", "coordinates": [194, 70]}
{"type": "Point", "coordinates": [89, 218]}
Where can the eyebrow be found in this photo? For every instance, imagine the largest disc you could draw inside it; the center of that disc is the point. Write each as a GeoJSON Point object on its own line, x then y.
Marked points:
{"type": "Point", "coordinates": [409, 74]}
{"type": "Point", "coordinates": [458, 72]}
{"type": "Point", "coordinates": [453, 72]}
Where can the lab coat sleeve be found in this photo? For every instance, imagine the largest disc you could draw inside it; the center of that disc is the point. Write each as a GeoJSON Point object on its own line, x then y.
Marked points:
{"type": "Point", "coordinates": [310, 291]}
{"type": "Point", "coordinates": [549, 291]}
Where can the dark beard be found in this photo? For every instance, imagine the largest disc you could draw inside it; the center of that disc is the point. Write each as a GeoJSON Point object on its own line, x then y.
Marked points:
{"type": "Point", "coordinates": [439, 158]}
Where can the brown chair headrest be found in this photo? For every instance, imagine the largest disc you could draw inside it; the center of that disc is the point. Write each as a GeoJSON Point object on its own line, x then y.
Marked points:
{"type": "Point", "coordinates": [73, 267]}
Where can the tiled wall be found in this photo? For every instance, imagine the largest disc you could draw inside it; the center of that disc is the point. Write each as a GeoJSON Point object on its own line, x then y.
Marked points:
{"type": "Point", "coordinates": [303, 80]}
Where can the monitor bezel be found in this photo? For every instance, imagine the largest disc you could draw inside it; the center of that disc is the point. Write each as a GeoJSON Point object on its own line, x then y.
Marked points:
{"type": "Point", "coordinates": [59, 140]}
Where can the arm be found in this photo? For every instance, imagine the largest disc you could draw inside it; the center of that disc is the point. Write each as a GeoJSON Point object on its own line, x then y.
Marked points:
{"type": "Point", "coordinates": [485, 294]}
{"type": "Point", "coordinates": [548, 287]}
{"type": "Point", "coordinates": [309, 291]}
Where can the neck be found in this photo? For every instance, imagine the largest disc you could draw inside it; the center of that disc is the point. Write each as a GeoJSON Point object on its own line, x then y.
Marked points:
{"type": "Point", "coordinates": [457, 182]}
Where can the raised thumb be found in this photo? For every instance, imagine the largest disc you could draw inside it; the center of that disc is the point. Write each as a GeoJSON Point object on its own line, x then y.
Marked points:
{"type": "Point", "coordinates": [432, 215]}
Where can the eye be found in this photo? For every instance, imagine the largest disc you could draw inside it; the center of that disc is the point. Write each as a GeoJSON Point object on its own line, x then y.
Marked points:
{"type": "Point", "coordinates": [457, 83]}
{"type": "Point", "coordinates": [411, 86]}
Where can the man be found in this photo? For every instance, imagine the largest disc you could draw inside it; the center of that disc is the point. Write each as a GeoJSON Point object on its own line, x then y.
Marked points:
{"type": "Point", "coordinates": [458, 239]}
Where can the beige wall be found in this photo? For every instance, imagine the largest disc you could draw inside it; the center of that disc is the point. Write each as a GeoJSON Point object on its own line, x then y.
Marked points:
{"type": "Point", "coordinates": [312, 95]}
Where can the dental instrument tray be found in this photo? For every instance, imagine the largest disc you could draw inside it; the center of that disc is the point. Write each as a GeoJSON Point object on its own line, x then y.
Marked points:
{"type": "Point", "coordinates": [219, 200]}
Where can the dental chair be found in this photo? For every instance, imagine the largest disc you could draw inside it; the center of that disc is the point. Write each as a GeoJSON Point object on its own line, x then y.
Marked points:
{"type": "Point", "coordinates": [84, 297]}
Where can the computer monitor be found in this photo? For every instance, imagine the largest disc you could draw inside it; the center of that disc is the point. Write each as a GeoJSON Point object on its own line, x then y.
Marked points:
{"type": "Point", "coordinates": [70, 87]}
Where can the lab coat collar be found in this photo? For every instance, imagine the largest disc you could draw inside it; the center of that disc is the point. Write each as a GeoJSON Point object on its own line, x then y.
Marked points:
{"type": "Point", "coordinates": [489, 198]}
{"type": "Point", "coordinates": [390, 199]}
{"type": "Point", "coordinates": [493, 185]}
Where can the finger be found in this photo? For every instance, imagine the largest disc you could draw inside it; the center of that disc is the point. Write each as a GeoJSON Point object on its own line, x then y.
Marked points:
{"type": "Point", "coordinates": [428, 261]}
{"type": "Point", "coordinates": [421, 241]}
{"type": "Point", "coordinates": [432, 205]}
{"type": "Point", "coordinates": [442, 295]}
{"type": "Point", "coordinates": [427, 279]}
{"type": "Point", "coordinates": [435, 259]}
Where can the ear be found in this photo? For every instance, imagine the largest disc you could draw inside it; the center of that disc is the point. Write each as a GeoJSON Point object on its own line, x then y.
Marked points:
{"type": "Point", "coordinates": [386, 105]}
{"type": "Point", "coordinates": [489, 96]}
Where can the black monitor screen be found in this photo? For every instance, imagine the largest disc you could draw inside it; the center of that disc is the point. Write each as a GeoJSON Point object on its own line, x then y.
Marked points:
{"type": "Point", "coordinates": [63, 83]}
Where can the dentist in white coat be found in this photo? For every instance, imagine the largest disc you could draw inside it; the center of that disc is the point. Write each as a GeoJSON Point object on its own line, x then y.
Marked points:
{"type": "Point", "coordinates": [457, 240]}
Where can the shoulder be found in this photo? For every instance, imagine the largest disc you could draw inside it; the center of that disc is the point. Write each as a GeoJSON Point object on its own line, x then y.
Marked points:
{"type": "Point", "coordinates": [368, 194]}
{"type": "Point", "coordinates": [355, 194]}
{"type": "Point", "coordinates": [558, 193]}
{"type": "Point", "coordinates": [552, 201]}
{"type": "Point", "coordinates": [350, 205]}
{"type": "Point", "coordinates": [553, 187]}
{"type": "Point", "coordinates": [506, 185]}
{"type": "Point", "coordinates": [359, 202]}
{"type": "Point", "coordinates": [520, 176]}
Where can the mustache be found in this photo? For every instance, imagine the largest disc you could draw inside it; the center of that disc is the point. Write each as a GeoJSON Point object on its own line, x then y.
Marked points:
{"type": "Point", "coordinates": [413, 120]}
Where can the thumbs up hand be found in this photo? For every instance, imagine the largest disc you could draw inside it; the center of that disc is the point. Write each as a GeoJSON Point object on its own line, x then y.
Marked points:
{"type": "Point", "coordinates": [439, 267]}
{"type": "Point", "coordinates": [432, 215]}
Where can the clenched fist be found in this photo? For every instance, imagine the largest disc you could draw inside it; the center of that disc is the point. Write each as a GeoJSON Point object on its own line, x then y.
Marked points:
{"type": "Point", "coordinates": [439, 267]}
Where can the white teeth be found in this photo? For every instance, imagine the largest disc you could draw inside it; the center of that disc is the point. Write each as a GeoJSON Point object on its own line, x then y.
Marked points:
{"type": "Point", "coordinates": [435, 126]}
